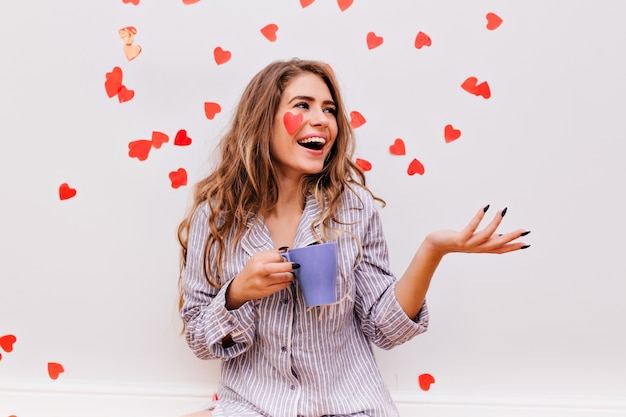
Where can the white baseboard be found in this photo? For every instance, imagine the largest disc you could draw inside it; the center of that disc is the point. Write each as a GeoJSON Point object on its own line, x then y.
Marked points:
{"type": "Point", "coordinates": [132, 401]}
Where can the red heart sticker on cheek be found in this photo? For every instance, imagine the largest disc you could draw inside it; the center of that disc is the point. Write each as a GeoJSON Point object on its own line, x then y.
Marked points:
{"type": "Point", "coordinates": [292, 122]}
{"type": "Point", "coordinates": [66, 192]}
{"type": "Point", "coordinates": [7, 341]}
{"type": "Point", "coordinates": [363, 164]}
{"type": "Point", "coordinates": [415, 167]}
{"type": "Point", "coordinates": [182, 139]}
{"type": "Point", "coordinates": [139, 149]}
{"type": "Point", "coordinates": [425, 381]}
{"type": "Point", "coordinates": [55, 369]}
{"type": "Point", "coordinates": [178, 178]}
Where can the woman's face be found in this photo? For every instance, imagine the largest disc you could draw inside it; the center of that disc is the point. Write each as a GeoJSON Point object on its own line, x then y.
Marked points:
{"type": "Point", "coordinates": [305, 128]}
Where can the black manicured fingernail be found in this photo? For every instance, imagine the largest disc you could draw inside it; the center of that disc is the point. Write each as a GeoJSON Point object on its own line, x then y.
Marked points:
{"type": "Point", "coordinates": [504, 211]}
{"type": "Point", "coordinates": [295, 265]}
{"type": "Point", "coordinates": [525, 246]}
{"type": "Point", "coordinates": [525, 233]}
{"type": "Point", "coordinates": [283, 248]}
{"type": "Point", "coordinates": [486, 208]}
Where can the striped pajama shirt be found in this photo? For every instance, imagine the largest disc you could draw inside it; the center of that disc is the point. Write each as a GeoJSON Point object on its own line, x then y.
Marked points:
{"type": "Point", "coordinates": [289, 360]}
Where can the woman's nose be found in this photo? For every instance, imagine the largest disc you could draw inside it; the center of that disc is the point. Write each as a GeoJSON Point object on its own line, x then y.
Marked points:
{"type": "Point", "coordinates": [319, 118]}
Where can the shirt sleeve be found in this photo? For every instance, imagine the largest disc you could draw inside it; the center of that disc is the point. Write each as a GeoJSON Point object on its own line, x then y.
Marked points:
{"type": "Point", "coordinates": [207, 320]}
{"type": "Point", "coordinates": [383, 320]}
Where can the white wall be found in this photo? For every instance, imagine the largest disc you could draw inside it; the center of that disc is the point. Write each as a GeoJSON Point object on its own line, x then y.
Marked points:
{"type": "Point", "coordinates": [90, 282]}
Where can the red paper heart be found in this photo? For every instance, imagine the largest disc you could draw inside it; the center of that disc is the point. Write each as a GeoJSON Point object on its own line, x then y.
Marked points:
{"type": "Point", "coordinates": [182, 139]}
{"type": "Point", "coordinates": [398, 147]}
{"type": "Point", "coordinates": [124, 94]}
{"type": "Point", "coordinates": [422, 39]}
{"type": "Point", "coordinates": [306, 3]}
{"type": "Point", "coordinates": [66, 192]}
{"type": "Point", "coordinates": [356, 119]}
{"type": "Point", "coordinates": [190, 1]}
{"type": "Point", "coordinates": [292, 122]}
{"type": "Point", "coordinates": [373, 41]}
{"type": "Point", "coordinates": [425, 381]}
{"type": "Point", "coordinates": [221, 56]}
{"type": "Point", "coordinates": [493, 21]}
{"type": "Point", "coordinates": [363, 164]}
{"type": "Point", "coordinates": [269, 32]}
{"type": "Point", "coordinates": [54, 369]}
{"type": "Point", "coordinates": [134, 2]}
{"type": "Point", "coordinates": [470, 85]}
{"type": "Point", "coordinates": [178, 178]}
{"type": "Point", "coordinates": [344, 4]}
{"type": "Point", "coordinates": [113, 81]}
{"type": "Point", "coordinates": [415, 167]}
{"type": "Point", "coordinates": [211, 109]}
{"type": "Point", "coordinates": [139, 149]}
{"type": "Point", "coordinates": [158, 139]}
{"type": "Point", "coordinates": [7, 341]}
{"type": "Point", "coordinates": [451, 134]}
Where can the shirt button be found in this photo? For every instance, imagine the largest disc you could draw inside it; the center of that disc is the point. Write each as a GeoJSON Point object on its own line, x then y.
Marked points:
{"type": "Point", "coordinates": [284, 349]}
{"type": "Point", "coordinates": [286, 301]}
{"type": "Point", "coordinates": [292, 387]}
{"type": "Point", "coordinates": [230, 322]}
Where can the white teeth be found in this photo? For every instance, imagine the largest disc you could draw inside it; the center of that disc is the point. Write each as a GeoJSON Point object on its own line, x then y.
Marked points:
{"type": "Point", "coordinates": [314, 139]}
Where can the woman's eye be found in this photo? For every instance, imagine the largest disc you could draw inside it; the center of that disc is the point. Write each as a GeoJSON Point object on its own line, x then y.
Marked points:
{"type": "Point", "coordinates": [331, 110]}
{"type": "Point", "coordinates": [302, 105]}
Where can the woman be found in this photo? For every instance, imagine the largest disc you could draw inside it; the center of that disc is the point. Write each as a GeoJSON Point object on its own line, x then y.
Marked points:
{"type": "Point", "coordinates": [286, 179]}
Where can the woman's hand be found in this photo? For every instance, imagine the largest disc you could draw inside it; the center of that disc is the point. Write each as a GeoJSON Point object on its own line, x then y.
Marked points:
{"type": "Point", "coordinates": [265, 273]}
{"type": "Point", "coordinates": [469, 240]}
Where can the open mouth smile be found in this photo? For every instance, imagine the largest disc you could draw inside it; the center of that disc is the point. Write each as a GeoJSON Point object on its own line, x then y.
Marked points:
{"type": "Point", "coordinates": [315, 143]}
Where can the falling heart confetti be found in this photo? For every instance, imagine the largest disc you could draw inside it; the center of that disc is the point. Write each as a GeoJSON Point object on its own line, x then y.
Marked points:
{"type": "Point", "coordinates": [178, 178]}
{"type": "Point", "coordinates": [133, 2]}
{"type": "Point", "coordinates": [422, 40]}
{"type": "Point", "coordinates": [55, 369]}
{"type": "Point", "coordinates": [113, 86]}
{"type": "Point", "coordinates": [211, 109]}
{"type": "Point", "coordinates": [292, 122]}
{"type": "Point", "coordinates": [132, 51]}
{"type": "Point", "coordinates": [451, 134]}
{"type": "Point", "coordinates": [373, 41]}
{"type": "Point", "coordinates": [7, 341]}
{"type": "Point", "coordinates": [470, 85]}
{"type": "Point", "coordinates": [66, 192]}
{"type": "Point", "coordinates": [188, 2]}
{"type": "Point", "coordinates": [493, 21]}
{"type": "Point", "coordinates": [182, 139]}
{"type": "Point", "coordinates": [356, 119]}
{"type": "Point", "coordinates": [221, 56]}
{"type": "Point", "coordinates": [139, 149]}
{"type": "Point", "coordinates": [113, 81]}
{"type": "Point", "coordinates": [269, 31]}
{"type": "Point", "coordinates": [344, 4]}
{"type": "Point", "coordinates": [363, 164]}
{"type": "Point", "coordinates": [415, 167]}
{"type": "Point", "coordinates": [158, 139]}
{"type": "Point", "coordinates": [398, 147]}
{"type": "Point", "coordinates": [306, 3]}
{"type": "Point", "coordinates": [127, 34]}
{"type": "Point", "coordinates": [425, 381]}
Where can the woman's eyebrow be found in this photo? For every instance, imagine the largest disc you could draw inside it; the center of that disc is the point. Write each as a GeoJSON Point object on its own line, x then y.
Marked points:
{"type": "Point", "coordinates": [309, 99]}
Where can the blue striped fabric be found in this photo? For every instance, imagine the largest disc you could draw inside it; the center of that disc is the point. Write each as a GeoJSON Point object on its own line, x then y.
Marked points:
{"type": "Point", "coordinates": [289, 360]}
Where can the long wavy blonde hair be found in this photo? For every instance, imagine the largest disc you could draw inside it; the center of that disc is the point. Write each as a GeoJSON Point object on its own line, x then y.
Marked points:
{"type": "Point", "coordinates": [244, 185]}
